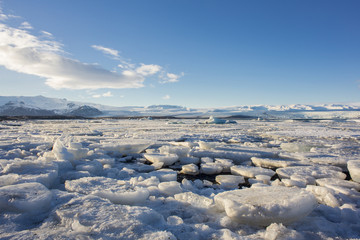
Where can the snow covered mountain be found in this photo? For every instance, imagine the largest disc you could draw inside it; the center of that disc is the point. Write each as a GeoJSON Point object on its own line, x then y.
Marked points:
{"type": "Point", "coordinates": [43, 106]}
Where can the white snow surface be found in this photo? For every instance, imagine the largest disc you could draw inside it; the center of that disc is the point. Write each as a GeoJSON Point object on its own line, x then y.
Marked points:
{"type": "Point", "coordinates": [266, 205]}
{"type": "Point", "coordinates": [147, 179]}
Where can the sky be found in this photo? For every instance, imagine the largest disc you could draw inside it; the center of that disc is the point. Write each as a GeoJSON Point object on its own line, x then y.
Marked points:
{"type": "Point", "coordinates": [193, 53]}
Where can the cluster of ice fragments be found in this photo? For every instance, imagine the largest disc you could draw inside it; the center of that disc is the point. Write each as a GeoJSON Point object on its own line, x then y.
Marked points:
{"type": "Point", "coordinates": [138, 180]}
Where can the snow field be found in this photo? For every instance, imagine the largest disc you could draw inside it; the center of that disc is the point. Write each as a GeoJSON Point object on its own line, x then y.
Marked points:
{"type": "Point", "coordinates": [130, 179]}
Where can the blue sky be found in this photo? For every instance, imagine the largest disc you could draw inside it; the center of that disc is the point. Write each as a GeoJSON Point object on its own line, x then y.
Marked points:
{"type": "Point", "coordinates": [190, 53]}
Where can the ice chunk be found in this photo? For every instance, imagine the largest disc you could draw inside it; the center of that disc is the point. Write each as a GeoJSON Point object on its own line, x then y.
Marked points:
{"type": "Point", "coordinates": [293, 183]}
{"type": "Point", "coordinates": [165, 175]}
{"type": "Point", "coordinates": [90, 217]}
{"type": "Point", "coordinates": [214, 120]}
{"type": "Point", "coordinates": [78, 152]}
{"type": "Point", "coordinates": [195, 200]}
{"type": "Point", "coordinates": [183, 144]}
{"type": "Point", "coordinates": [33, 171]}
{"type": "Point", "coordinates": [110, 189]}
{"type": "Point", "coordinates": [107, 161]}
{"type": "Point", "coordinates": [266, 205]}
{"type": "Point", "coordinates": [127, 197]}
{"type": "Point", "coordinates": [303, 179]}
{"type": "Point", "coordinates": [210, 168]}
{"type": "Point", "coordinates": [338, 182]}
{"type": "Point", "coordinates": [94, 167]}
{"type": "Point", "coordinates": [238, 155]}
{"type": "Point", "coordinates": [324, 195]}
{"type": "Point", "coordinates": [88, 185]}
{"type": "Point", "coordinates": [190, 169]}
{"type": "Point", "coordinates": [224, 163]}
{"type": "Point", "coordinates": [251, 172]}
{"type": "Point", "coordinates": [229, 181]}
{"type": "Point", "coordinates": [207, 160]}
{"type": "Point", "coordinates": [263, 178]}
{"type": "Point", "coordinates": [126, 148]}
{"type": "Point", "coordinates": [272, 163]}
{"type": "Point", "coordinates": [354, 170]}
{"type": "Point", "coordinates": [25, 197]}
{"type": "Point", "coordinates": [168, 159]}
{"type": "Point", "coordinates": [313, 171]}
{"type": "Point", "coordinates": [61, 152]}
{"type": "Point", "coordinates": [296, 147]}
{"type": "Point", "coordinates": [170, 188]}
{"type": "Point", "coordinates": [327, 159]}
{"type": "Point", "coordinates": [178, 150]}
{"type": "Point", "coordinates": [9, 179]}
{"type": "Point", "coordinates": [174, 220]}
{"type": "Point", "coordinates": [206, 145]}
{"type": "Point", "coordinates": [277, 231]}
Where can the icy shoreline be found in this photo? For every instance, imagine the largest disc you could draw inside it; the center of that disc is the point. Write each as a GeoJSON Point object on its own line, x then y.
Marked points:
{"type": "Point", "coordinates": [179, 179]}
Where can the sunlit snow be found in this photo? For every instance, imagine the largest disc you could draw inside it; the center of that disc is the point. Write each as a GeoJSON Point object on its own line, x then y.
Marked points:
{"type": "Point", "coordinates": [152, 179]}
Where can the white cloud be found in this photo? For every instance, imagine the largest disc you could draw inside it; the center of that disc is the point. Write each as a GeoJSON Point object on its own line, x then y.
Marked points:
{"type": "Point", "coordinates": [166, 97]}
{"type": "Point", "coordinates": [147, 70]}
{"type": "Point", "coordinates": [105, 50]}
{"type": "Point", "coordinates": [4, 17]}
{"type": "Point", "coordinates": [25, 53]}
{"type": "Point", "coordinates": [170, 77]}
{"type": "Point", "coordinates": [107, 94]}
{"type": "Point", "coordinates": [26, 25]}
{"type": "Point", "coordinates": [47, 34]}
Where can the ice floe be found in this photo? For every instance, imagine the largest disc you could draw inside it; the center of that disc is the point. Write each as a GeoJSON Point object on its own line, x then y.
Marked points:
{"type": "Point", "coordinates": [266, 205]}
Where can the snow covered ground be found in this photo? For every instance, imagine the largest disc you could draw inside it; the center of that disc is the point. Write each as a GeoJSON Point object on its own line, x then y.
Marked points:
{"type": "Point", "coordinates": [179, 179]}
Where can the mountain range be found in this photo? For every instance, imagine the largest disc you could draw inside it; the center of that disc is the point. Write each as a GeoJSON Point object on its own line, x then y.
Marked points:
{"type": "Point", "coordinates": [40, 106]}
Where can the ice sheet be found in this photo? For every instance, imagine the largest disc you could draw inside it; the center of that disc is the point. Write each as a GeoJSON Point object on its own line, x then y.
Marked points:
{"type": "Point", "coordinates": [99, 185]}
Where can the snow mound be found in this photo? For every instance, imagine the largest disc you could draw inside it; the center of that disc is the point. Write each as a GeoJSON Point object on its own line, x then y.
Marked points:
{"type": "Point", "coordinates": [354, 169]}
{"type": "Point", "coordinates": [25, 197]}
{"type": "Point", "coordinates": [265, 205]}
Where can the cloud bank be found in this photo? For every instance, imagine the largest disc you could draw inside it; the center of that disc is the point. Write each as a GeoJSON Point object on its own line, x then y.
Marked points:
{"type": "Point", "coordinates": [41, 56]}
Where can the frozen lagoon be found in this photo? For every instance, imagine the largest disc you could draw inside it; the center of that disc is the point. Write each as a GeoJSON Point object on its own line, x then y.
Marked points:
{"type": "Point", "coordinates": [140, 179]}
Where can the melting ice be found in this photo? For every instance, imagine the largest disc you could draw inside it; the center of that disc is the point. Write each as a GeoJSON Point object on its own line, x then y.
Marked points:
{"type": "Point", "coordinates": [131, 179]}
